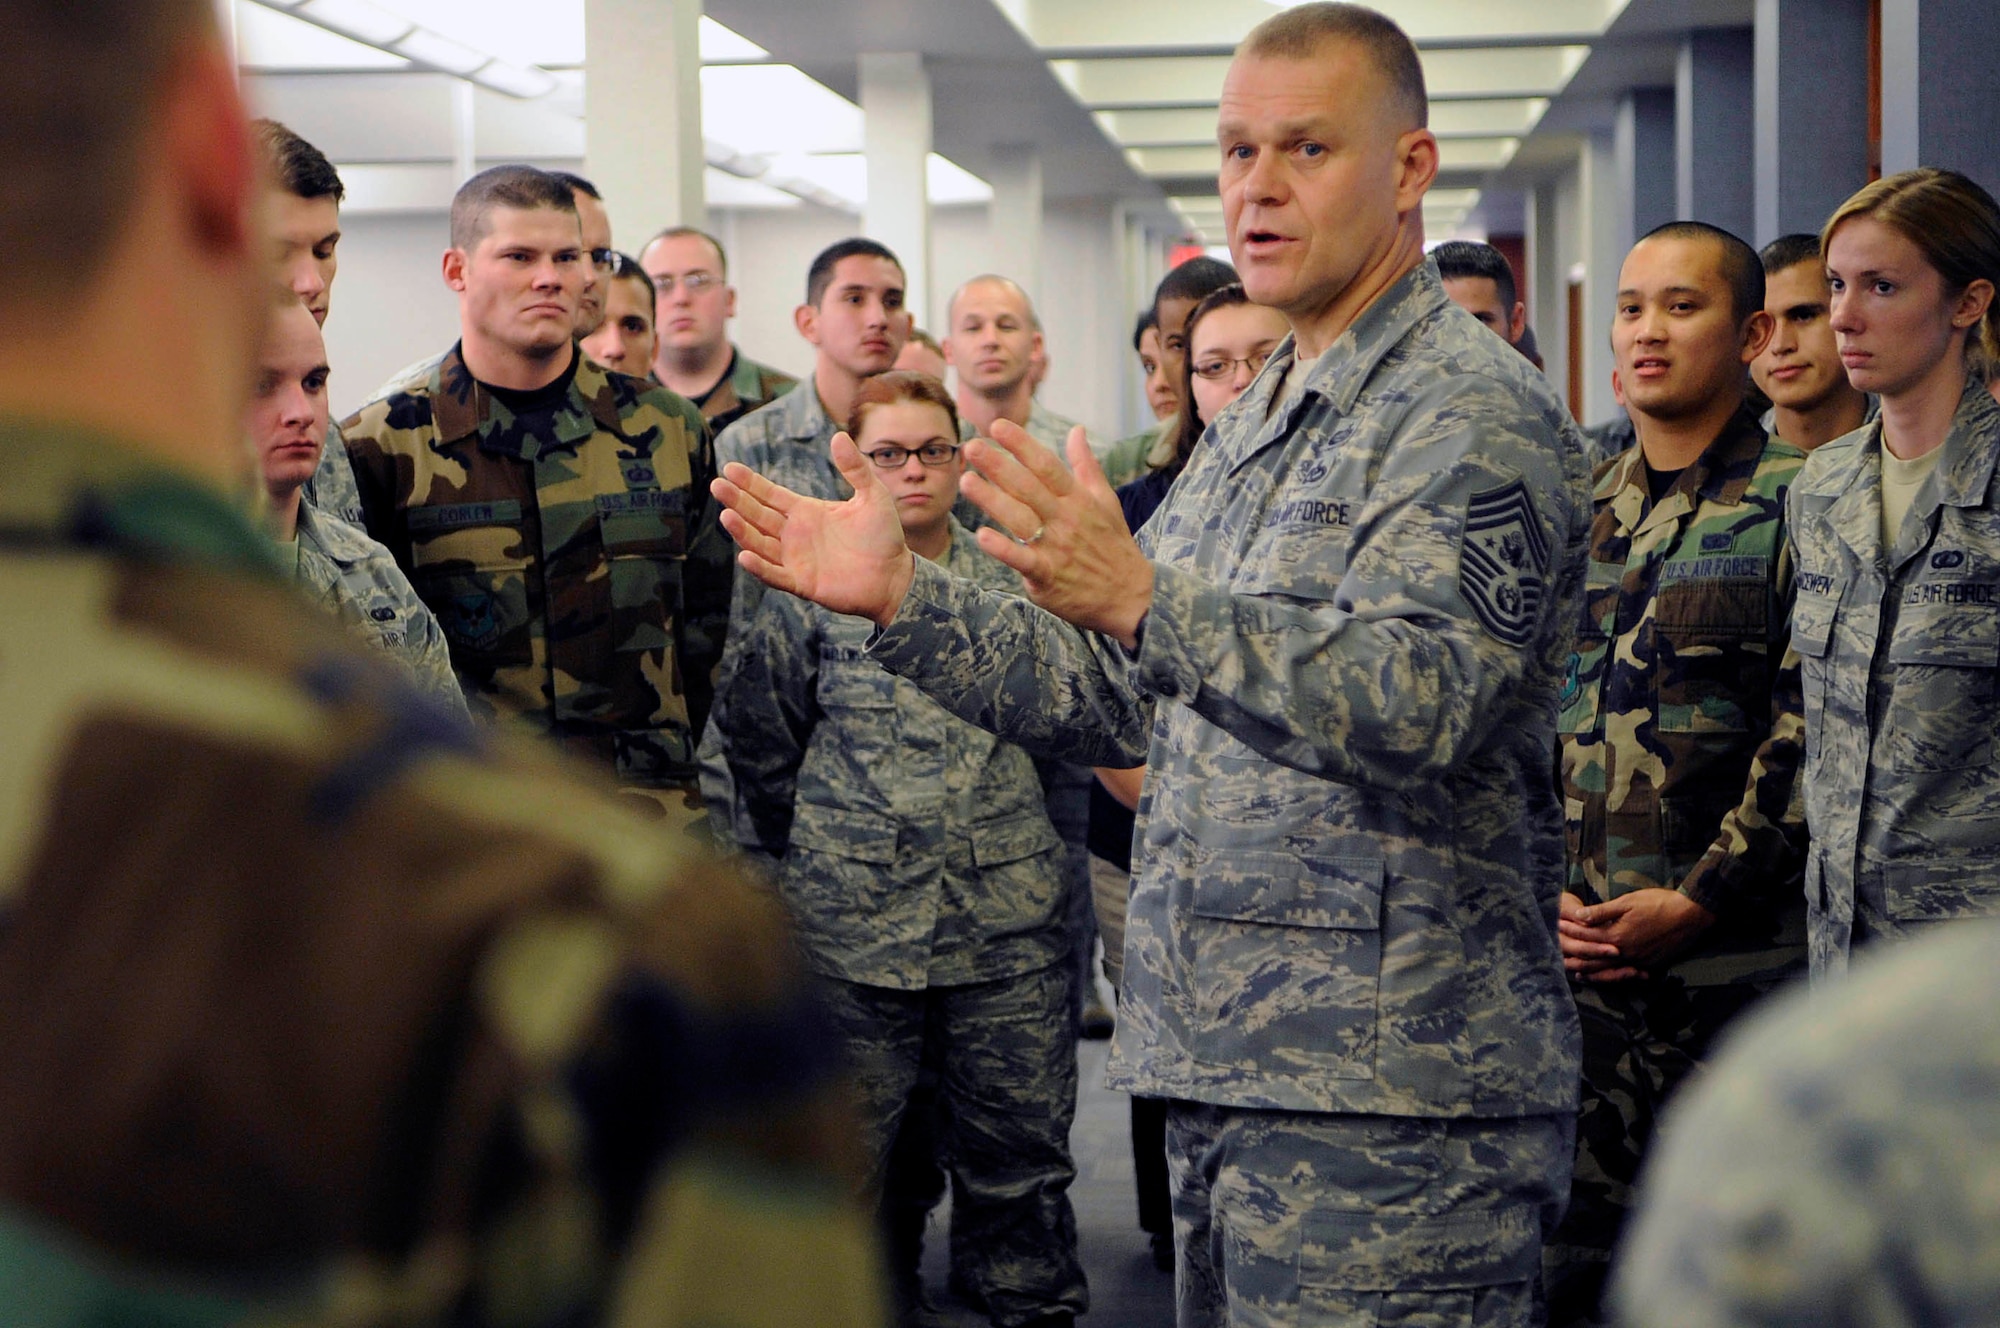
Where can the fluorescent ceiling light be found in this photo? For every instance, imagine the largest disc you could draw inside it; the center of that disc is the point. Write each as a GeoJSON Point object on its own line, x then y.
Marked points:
{"type": "Point", "coordinates": [441, 52]}
{"type": "Point", "coordinates": [730, 191]}
{"type": "Point", "coordinates": [947, 183]}
{"type": "Point", "coordinates": [269, 39]}
{"type": "Point", "coordinates": [359, 19]}
{"type": "Point", "coordinates": [515, 81]}
{"type": "Point", "coordinates": [522, 32]}
{"type": "Point", "coordinates": [771, 109]}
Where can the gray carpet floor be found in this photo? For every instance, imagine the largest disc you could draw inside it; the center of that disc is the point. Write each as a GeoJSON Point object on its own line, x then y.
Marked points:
{"type": "Point", "coordinates": [1126, 1291]}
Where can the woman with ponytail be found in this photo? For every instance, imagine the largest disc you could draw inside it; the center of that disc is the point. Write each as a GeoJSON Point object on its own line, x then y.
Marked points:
{"type": "Point", "coordinates": [1897, 619]}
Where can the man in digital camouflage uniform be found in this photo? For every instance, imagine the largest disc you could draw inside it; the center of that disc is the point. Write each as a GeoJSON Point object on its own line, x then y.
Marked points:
{"type": "Point", "coordinates": [545, 508]}
{"type": "Point", "coordinates": [1680, 728]}
{"type": "Point", "coordinates": [1338, 651]}
{"type": "Point", "coordinates": [1836, 1165]}
{"type": "Point", "coordinates": [335, 562]}
{"type": "Point", "coordinates": [319, 1007]}
{"type": "Point", "coordinates": [694, 355]}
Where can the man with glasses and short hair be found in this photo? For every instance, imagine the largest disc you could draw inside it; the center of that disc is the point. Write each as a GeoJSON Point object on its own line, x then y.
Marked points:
{"type": "Point", "coordinates": [694, 303]}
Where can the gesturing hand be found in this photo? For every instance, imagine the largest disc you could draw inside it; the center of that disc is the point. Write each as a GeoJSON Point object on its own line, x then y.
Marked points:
{"type": "Point", "coordinates": [848, 556]}
{"type": "Point", "coordinates": [1075, 555]}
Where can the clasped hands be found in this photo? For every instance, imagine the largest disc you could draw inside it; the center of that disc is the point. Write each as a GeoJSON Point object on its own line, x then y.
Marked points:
{"type": "Point", "coordinates": [1069, 541]}
{"type": "Point", "coordinates": [1631, 936]}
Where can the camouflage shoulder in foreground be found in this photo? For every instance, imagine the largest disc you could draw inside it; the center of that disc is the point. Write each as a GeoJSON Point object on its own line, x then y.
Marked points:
{"type": "Point", "coordinates": [1837, 1164]}
{"type": "Point", "coordinates": [506, 960]}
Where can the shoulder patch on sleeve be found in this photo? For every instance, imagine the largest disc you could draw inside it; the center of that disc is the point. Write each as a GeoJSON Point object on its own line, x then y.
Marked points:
{"type": "Point", "coordinates": [1504, 562]}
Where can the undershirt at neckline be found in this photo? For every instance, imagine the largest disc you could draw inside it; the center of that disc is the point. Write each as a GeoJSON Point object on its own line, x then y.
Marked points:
{"type": "Point", "coordinates": [524, 401]}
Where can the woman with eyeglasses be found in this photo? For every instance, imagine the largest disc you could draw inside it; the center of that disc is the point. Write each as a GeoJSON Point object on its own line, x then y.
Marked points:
{"type": "Point", "coordinates": [925, 877]}
{"type": "Point", "coordinates": [1227, 340]}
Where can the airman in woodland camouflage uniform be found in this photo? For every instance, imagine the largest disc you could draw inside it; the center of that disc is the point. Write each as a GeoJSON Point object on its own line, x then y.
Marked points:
{"type": "Point", "coordinates": [319, 1007]}
{"type": "Point", "coordinates": [1680, 729]}
{"type": "Point", "coordinates": [1837, 1163]}
{"type": "Point", "coordinates": [551, 536]}
{"type": "Point", "coordinates": [693, 354]}
{"type": "Point", "coordinates": [746, 387]}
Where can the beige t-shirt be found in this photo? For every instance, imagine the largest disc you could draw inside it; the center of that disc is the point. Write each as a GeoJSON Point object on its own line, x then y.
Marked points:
{"type": "Point", "coordinates": [1900, 482]}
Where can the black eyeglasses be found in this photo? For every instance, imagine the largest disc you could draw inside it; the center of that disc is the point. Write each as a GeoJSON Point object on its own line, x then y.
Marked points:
{"type": "Point", "coordinates": [604, 260]}
{"type": "Point", "coordinates": [1220, 367]}
{"type": "Point", "coordinates": [931, 454]}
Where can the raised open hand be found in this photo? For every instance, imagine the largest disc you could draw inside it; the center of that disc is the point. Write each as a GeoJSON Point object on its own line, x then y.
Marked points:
{"type": "Point", "coordinates": [1070, 543]}
{"type": "Point", "coordinates": [848, 556]}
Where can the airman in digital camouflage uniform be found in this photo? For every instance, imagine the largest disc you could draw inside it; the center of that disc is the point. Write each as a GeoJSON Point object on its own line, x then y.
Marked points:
{"type": "Point", "coordinates": [1680, 729]}
{"type": "Point", "coordinates": [929, 885]}
{"type": "Point", "coordinates": [318, 1007]}
{"type": "Point", "coordinates": [1897, 532]}
{"type": "Point", "coordinates": [352, 575]}
{"type": "Point", "coordinates": [1836, 1165]}
{"type": "Point", "coordinates": [302, 209]}
{"type": "Point", "coordinates": [1338, 650]}
{"type": "Point", "coordinates": [548, 523]}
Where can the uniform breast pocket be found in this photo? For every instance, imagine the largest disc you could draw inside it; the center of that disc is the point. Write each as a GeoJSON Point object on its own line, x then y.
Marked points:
{"type": "Point", "coordinates": [1941, 704]}
{"type": "Point", "coordinates": [1812, 636]}
{"type": "Point", "coordinates": [1020, 870]}
{"type": "Point", "coordinates": [1712, 652]}
{"type": "Point", "coordinates": [645, 549]}
{"type": "Point", "coordinates": [475, 579]}
{"type": "Point", "coordinates": [1287, 962]}
{"type": "Point", "coordinates": [1304, 557]}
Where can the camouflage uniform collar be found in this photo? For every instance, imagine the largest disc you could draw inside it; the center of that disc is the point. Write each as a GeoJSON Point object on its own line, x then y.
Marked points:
{"type": "Point", "coordinates": [745, 376]}
{"type": "Point", "coordinates": [462, 408]}
{"type": "Point", "coordinates": [61, 483]}
{"type": "Point", "coordinates": [1721, 474]}
{"type": "Point", "coordinates": [1971, 447]}
{"type": "Point", "coordinates": [804, 416]}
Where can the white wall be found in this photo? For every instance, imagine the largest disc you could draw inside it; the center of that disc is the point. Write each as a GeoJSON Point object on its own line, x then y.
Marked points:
{"type": "Point", "coordinates": [390, 305]}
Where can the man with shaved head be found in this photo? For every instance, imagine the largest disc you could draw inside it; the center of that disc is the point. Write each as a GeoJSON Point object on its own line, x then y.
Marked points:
{"type": "Point", "coordinates": [993, 341]}
{"type": "Point", "coordinates": [1338, 647]}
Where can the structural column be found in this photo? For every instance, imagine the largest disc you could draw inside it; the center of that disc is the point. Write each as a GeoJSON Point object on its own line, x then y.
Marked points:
{"type": "Point", "coordinates": [1015, 216]}
{"type": "Point", "coordinates": [1714, 134]}
{"type": "Point", "coordinates": [1643, 154]}
{"type": "Point", "coordinates": [642, 114]}
{"type": "Point", "coordinates": [1811, 111]}
{"type": "Point", "coordinates": [896, 105]}
{"type": "Point", "coordinates": [1938, 102]}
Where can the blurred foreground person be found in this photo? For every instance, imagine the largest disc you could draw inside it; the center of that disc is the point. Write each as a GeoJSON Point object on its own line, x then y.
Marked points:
{"type": "Point", "coordinates": [1836, 1166]}
{"type": "Point", "coordinates": [318, 1007]}
{"type": "Point", "coordinates": [928, 882]}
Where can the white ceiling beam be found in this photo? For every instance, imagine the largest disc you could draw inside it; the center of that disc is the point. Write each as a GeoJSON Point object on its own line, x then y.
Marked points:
{"type": "Point", "coordinates": [1067, 28]}
{"type": "Point", "coordinates": [1186, 81]}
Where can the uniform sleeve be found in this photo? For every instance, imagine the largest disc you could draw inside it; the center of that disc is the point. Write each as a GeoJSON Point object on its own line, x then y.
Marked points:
{"type": "Point", "coordinates": [1760, 849]}
{"type": "Point", "coordinates": [429, 655]}
{"type": "Point", "coordinates": [1454, 588]}
{"type": "Point", "coordinates": [331, 488]}
{"type": "Point", "coordinates": [706, 579]}
{"type": "Point", "coordinates": [764, 715]}
{"type": "Point", "coordinates": [373, 469]}
{"type": "Point", "coordinates": [1015, 670]}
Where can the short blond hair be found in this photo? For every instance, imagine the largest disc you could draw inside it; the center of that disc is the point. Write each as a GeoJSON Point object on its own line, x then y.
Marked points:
{"type": "Point", "coordinates": [1298, 33]}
